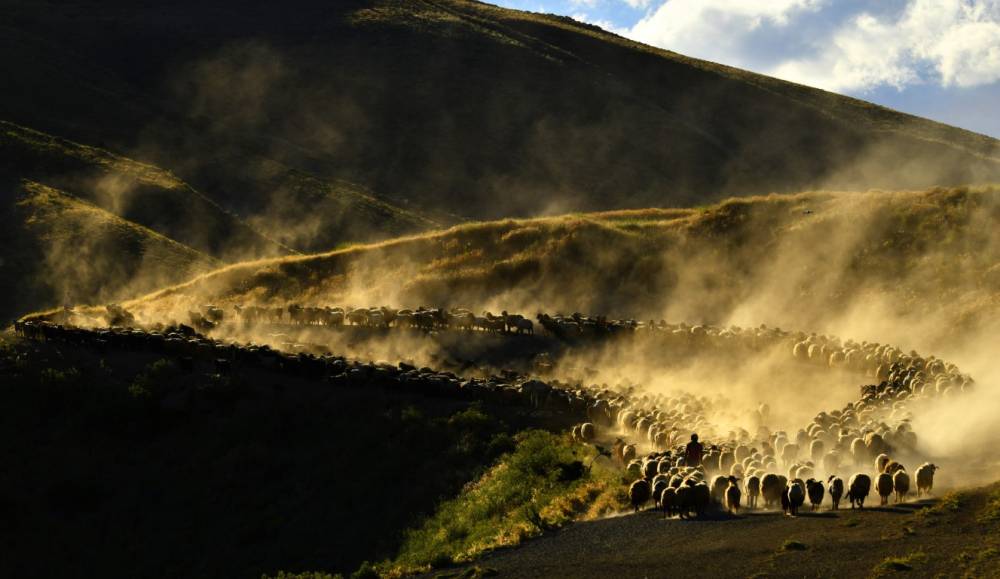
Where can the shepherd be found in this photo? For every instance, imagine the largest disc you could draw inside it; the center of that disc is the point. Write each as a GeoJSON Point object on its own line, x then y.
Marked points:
{"type": "Point", "coordinates": [693, 452]}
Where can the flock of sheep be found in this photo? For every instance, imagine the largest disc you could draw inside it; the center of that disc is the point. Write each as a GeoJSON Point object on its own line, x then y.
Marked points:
{"type": "Point", "coordinates": [424, 318]}
{"type": "Point", "coordinates": [737, 468]}
{"type": "Point", "coordinates": [782, 467]}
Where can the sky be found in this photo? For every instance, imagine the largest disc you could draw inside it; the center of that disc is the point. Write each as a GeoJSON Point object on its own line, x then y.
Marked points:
{"type": "Point", "coordinates": [938, 59]}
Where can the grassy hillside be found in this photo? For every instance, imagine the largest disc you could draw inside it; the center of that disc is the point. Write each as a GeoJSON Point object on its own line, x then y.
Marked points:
{"type": "Point", "coordinates": [120, 453]}
{"type": "Point", "coordinates": [312, 214]}
{"type": "Point", "coordinates": [448, 105]}
{"type": "Point", "coordinates": [58, 249]}
{"type": "Point", "coordinates": [137, 192]}
{"type": "Point", "coordinates": [304, 213]}
{"type": "Point", "coordinates": [810, 260]}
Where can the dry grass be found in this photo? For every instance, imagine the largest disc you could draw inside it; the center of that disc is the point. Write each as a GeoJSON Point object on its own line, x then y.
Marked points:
{"type": "Point", "coordinates": [817, 251]}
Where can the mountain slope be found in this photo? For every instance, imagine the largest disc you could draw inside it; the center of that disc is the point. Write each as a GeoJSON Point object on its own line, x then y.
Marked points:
{"type": "Point", "coordinates": [57, 249]}
{"type": "Point", "coordinates": [847, 263]}
{"type": "Point", "coordinates": [313, 214]}
{"type": "Point", "coordinates": [453, 106]}
{"type": "Point", "coordinates": [134, 191]}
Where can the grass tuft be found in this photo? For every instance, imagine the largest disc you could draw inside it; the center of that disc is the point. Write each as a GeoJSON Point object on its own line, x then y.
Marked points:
{"type": "Point", "coordinates": [900, 564]}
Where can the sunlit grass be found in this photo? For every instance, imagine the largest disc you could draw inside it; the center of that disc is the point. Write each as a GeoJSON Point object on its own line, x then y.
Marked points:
{"type": "Point", "coordinates": [542, 485]}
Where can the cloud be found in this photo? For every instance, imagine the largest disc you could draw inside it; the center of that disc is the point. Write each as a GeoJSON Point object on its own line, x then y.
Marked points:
{"type": "Point", "coordinates": [848, 45]}
{"type": "Point", "coordinates": [639, 4]}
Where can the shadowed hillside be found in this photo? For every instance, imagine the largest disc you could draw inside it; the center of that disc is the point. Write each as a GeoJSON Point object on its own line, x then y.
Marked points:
{"type": "Point", "coordinates": [58, 249]}
{"type": "Point", "coordinates": [144, 194]}
{"type": "Point", "coordinates": [446, 105]}
{"type": "Point", "coordinates": [305, 213]}
{"type": "Point", "coordinates": [818, 260]}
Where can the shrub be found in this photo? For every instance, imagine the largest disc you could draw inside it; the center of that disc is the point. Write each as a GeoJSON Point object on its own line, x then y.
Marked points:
{"type": "Point", "coordinates": [896, 564]}
{"type": "Point", "coordinates": [542, 484]}
{"type": "Point", "coordinates": [365, 571]}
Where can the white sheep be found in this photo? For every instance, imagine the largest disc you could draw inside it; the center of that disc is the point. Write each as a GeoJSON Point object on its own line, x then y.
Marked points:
{"type": "Point", "coordinates": [880, 462]}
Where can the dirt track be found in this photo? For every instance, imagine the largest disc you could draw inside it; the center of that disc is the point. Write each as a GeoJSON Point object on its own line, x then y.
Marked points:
{"type": "Point", "coordinates": [836, 544]}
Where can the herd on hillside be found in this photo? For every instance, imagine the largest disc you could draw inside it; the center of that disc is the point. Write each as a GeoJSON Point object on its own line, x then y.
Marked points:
{"type": "Point", "coordinates": [732, 469]}
{"type": "Point", "coordinates": [740, 467]}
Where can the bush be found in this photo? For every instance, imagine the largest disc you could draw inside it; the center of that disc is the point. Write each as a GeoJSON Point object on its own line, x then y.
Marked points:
{"type": "Point", "coordinates": [365, 571]}
{"type": "Point", "coordinates": [539, 486]}
{"type": "Point", "coordinates": [896, 564]}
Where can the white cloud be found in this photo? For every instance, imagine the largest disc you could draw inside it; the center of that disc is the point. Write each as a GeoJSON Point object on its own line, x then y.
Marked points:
{"type": "Point", "coordinates": [834, 44]}
{"type": "Point", "coordinates": [639, 4]}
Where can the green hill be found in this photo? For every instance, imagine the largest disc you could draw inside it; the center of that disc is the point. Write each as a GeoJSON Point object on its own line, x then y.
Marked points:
{"type": "Point", "coordinates": [447, 105]}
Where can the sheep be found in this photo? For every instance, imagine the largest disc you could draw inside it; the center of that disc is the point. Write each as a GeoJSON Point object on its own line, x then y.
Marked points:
{"type": "Point", "coordinates": [771, 487]}
{"type": "Point", "coordinates": [883, 484]}
{"type": "Point", "coordinates": [796, 496]}
{"type": "Point", "coordinates": [835, 485]}
{"type": "Point", "coordinates": [650, 468]}
{"type": "Point", "coordinates": [858, 488]}
{"type": "Point", "coordinates": [831, 462]}
{"type": "Point", "coordinates": [816, 448]}
{"type": "Point", "coordinates": [658, 487]}
{"type": "Point", "coordinates": [719, 485]}
{"type": "Point", "coordinates": [639, 493]}
{"type": "Point", "coordinates": [587, 431]}
{"type": "Point", "coordinates": [880, 462]}
{"type": "Point", "coordinates": [815, 490]}
{"type": "Point", "coordinates": [859, 451]}
{"type": "Point", "coordinates": [702, 498]}
{"type": "Point", "coordinates": [628, 452]}
{"type": "Point", "coordinates": [733, 495]}
{"type": "Point", "coordinates": [901, 484]}
{"type": "Point", "coordinates": [892, 467]}
{"type": "Point", "coordinates": [789, 453]}
{"type": "Point", "coordinates": [684, 499]}
{"type": "Point", "coordinates": [752, 486]}
{"type": "Point", "coordinates": [925, 478]}
{"type": "Point", "coordinates": [726, 461]}
{"type": "Point", "coordinates": [668, 501]}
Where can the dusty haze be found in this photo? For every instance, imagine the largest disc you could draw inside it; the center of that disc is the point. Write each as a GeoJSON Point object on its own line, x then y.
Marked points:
{"type": "Point", "coordinates": [918, 270]}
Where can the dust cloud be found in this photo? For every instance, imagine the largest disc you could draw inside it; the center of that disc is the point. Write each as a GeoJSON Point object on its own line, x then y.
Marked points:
{"type": "Point", "coordinates": [911, 269]}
